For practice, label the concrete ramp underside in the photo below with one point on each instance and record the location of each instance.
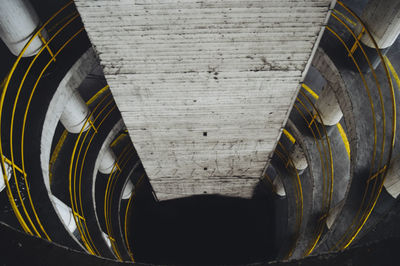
(204, 87)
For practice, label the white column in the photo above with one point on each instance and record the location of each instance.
(278, 186)
(9, 173)
(392, 180)
(107, 161)
(65, 213)
(298, 157)
(75, 114)
(382, 18)
(18, 23)
(333, 213)
(328, 107)
(107, 239)
(129, 187)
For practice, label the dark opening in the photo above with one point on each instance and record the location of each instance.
(203, 230)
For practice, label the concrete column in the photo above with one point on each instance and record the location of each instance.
(278, 186)
(333, 213)
(382, 18)
(18, 23)
(65, 213)
(9, 172)
(107, 161)
(392, 180)
(298, 157)
(107, 239)
(75, 114)
(328, 107)
(129, 187)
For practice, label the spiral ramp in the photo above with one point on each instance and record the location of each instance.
(264, 129)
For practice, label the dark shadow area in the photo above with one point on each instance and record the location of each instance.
(206, 230)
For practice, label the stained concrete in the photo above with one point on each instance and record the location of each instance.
(204, 87)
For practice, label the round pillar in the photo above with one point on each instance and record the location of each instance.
(382, 18)
(65, 213)
(298, 158)
(278, 186)
(18, 23)
(75, 114)
(107, 162)
(328, 108)
(333, 213)
(129, 187)
(9, 173)
(392, 180)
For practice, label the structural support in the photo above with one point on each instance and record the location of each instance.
(392, 180)
(65, 213)
(278, 186)
(298, 157)
(382, 17)
(2, 181)
(75, 114)
(18, 23)
(107, 239)
(107, 161)
(328, 107)
(129, 187)
(333, 213)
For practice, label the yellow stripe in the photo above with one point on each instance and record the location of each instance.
(310, 91)
(97, 95)
(344, 137)
(56, 151)
(289, 136)
(118, 139)
(393, 71)
(345, 17)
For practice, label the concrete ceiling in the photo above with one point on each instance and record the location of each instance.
(204, 87)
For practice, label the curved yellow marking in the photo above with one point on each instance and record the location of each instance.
(345, 17)
(310, 91)
(289, 136)
(393, 71)
(344, 138)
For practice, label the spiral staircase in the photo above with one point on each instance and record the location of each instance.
(113, 113)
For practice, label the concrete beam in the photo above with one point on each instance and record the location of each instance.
(204, 87)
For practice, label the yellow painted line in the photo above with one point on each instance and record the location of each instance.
(56, 151)
(393, 71)
(345, 17)
(289, 136)
(310, 91)
(100, 92)
(339, 126)
(118, 139)
(344, 137)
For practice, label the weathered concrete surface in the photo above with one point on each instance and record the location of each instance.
(204, 87)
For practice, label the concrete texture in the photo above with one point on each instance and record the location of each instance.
(382, 18)
(64, 91)
(104, 147)
(368, 151)
(204, 87)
